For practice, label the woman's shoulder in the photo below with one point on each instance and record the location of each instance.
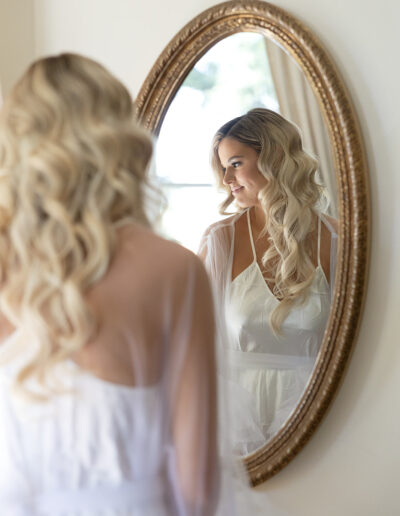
(217, 238)
(141, 244)
(223, 224)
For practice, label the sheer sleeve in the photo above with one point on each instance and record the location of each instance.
(216, 253)
(331, 224)
(194, 395)
(206, 478)
(333, 261)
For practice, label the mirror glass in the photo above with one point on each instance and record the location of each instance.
(242, 72)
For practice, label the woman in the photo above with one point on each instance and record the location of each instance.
(113, 348)
(272, 264)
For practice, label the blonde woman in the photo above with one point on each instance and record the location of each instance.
(273, 265)
(107, 384)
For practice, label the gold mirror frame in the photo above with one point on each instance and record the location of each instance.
(153, 100)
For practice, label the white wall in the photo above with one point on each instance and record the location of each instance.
(352, 464)
(125, 35)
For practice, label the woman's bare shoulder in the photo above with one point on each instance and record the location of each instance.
(143, 246)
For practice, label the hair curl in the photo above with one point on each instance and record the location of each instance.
(72, 169)
(289, 200)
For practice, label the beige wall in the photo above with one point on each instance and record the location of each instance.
(352, 464)
(16, 40)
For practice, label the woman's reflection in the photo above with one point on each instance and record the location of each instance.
(272, 264)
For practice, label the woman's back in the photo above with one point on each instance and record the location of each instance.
(111, 441)
(130, 303)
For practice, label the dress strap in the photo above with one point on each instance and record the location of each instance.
(251, 236)
(326, 222)
(319, 241)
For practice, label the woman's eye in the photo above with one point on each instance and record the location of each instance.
(236, 164)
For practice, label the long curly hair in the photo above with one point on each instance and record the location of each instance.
(289, 200)
(72, 169)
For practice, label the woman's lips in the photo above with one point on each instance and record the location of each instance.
(236, 189)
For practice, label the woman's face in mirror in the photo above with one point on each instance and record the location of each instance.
(240, 166)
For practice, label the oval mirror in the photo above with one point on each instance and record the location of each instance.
(227, 61)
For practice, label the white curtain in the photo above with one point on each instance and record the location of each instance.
(298, 104)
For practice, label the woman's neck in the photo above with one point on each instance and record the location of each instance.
(258, 218)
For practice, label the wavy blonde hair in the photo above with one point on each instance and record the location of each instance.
(72, 169)
(290, 199)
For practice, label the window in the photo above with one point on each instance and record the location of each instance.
(230, 79)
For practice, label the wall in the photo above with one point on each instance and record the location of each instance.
(16, 40)
(351, 465)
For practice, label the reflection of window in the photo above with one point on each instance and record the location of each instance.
(231, 78)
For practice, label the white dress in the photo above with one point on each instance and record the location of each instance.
(268, 373)
(104, 449)
(74, 455)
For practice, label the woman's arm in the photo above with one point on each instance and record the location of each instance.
(194, 424)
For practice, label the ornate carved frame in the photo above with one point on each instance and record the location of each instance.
(152, 103)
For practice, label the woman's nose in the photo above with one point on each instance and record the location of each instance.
(228, 176)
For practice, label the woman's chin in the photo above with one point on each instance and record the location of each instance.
(243, 203)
